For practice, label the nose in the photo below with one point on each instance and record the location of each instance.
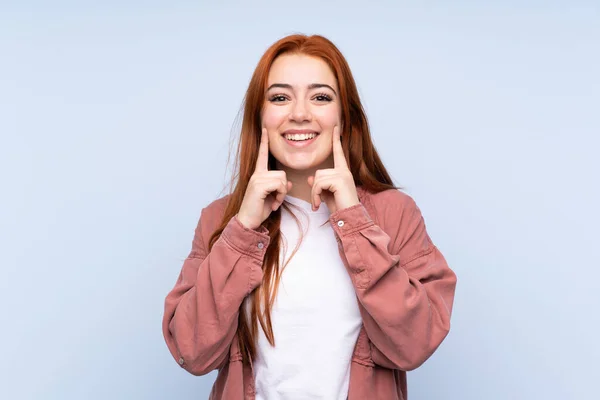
(299, 112)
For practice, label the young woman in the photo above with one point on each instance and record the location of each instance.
(363, 296)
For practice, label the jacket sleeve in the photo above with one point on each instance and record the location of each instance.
(403, 283)
(201, 311)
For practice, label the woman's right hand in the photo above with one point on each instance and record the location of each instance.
(266, 189)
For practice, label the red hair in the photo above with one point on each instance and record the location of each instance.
(363, 160)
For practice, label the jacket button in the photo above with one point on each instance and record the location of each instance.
(340, 223)
(260, 245)
(180, 361)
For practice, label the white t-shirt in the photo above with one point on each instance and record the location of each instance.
(315, 317)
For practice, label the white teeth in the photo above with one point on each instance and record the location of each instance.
(300, 136)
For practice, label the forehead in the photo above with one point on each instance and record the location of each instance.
(300, 70)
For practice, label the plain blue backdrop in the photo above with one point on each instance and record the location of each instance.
(116, 119)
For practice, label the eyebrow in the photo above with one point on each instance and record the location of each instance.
(311, 86)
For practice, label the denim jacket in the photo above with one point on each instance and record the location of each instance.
(404, 286)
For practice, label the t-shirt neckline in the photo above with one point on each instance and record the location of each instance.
(307, 206)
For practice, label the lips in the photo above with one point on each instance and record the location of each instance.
(300, 143)
(298, 131)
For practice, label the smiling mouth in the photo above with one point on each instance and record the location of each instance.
(300, 137)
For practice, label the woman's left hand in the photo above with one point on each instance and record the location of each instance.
(335, 186)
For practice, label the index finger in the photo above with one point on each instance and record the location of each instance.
(339, 160)
(262, 162)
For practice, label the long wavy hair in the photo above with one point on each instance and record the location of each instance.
(363, 160)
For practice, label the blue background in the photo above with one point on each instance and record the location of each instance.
(116, 119)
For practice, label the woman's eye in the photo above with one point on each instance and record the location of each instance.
(278, 98)
(322, 97)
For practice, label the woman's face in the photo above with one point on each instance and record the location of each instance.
(300, 110)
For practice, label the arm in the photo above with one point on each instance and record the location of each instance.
(201, 311)
(403, 283)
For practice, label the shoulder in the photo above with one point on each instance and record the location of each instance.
(399, 216)
(394, 210)
(212, 213)
(392, 202)
(217, 206)
(210, 219)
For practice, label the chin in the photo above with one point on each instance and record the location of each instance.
(299, 165)
(302, 163)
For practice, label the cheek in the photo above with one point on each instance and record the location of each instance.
(272, 117)
(328, 116)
